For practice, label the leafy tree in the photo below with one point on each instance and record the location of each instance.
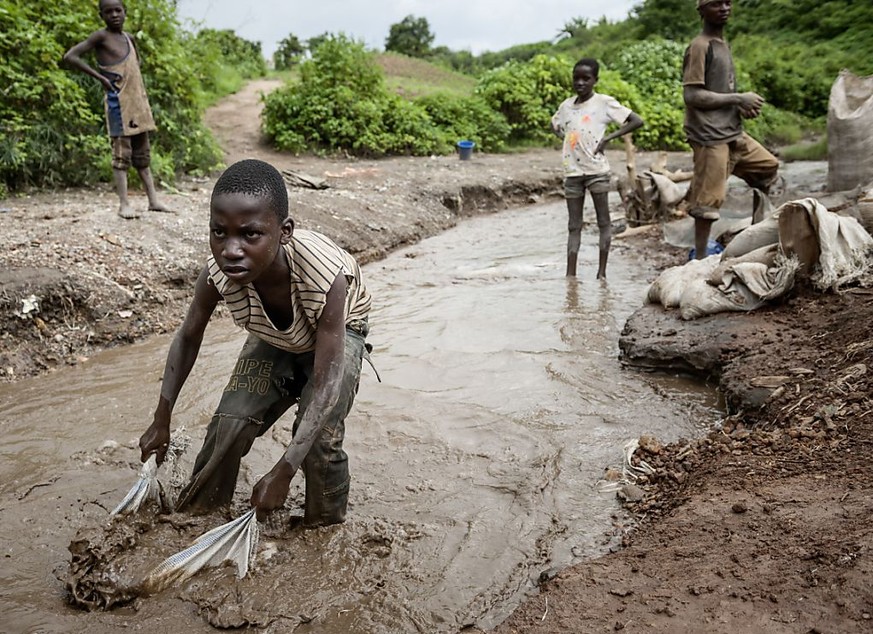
(670, 19)
(243, 55)
(315, 41)
(411, 36)
(288, 53)
(577, 29)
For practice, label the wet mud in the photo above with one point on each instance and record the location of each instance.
(99, 568)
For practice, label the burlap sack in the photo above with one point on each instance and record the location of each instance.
(850, 132)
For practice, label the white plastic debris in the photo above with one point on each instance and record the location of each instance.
(235, 541)
(29, 305)
(147, 487)
(630, 472)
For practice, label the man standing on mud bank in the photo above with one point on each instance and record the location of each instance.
(713, 123)
(128, 114)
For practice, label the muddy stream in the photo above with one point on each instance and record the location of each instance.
(474, 461)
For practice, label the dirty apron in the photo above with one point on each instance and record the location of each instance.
(127, 107)
(266, 381)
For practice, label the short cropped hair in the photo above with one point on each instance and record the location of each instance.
(255, 178)
(100, 4)
(591, 63)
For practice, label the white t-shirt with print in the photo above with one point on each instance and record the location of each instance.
(583, 126)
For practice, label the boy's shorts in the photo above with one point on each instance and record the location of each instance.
(575, 186)
(713, 165)
(131, 150)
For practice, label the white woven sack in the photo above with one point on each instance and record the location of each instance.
(850, 142)
(235, 541)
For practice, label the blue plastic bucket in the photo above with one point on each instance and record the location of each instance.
(465, 148)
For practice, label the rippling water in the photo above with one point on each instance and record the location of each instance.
(473, 462)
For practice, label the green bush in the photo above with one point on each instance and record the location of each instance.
(49, 127)
(654, 67)
(470, 118)
(527, 94)
(792, 76)
(288, 53)
(341, 104)
(240, 54)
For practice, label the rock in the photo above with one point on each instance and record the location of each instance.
(651, 445)
(109, 446)
(769, 381)
(631, 493)
(739, 507)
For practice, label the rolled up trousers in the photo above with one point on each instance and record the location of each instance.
(266, 381)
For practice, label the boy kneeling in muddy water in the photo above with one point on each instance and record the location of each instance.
(128, 114)
(581, 121)
(303, 302)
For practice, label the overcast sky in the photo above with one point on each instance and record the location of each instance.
(475, 25)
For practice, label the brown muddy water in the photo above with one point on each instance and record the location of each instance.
(474, 462)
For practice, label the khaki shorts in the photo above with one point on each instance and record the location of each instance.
(575, 186)
(713, 164)
(131, 150)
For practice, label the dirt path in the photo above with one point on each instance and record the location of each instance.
(236, 123)
(764, 525)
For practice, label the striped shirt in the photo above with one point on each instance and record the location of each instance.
(315, 261)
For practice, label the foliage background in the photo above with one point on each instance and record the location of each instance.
(52, 129)
(51, 118)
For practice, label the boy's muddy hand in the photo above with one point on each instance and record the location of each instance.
(155, 440)
(271, 491)
(750, 101)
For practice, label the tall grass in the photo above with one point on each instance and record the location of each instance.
(411, 77)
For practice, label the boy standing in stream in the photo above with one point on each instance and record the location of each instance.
(581, 121)
(128, 114)
(305, 306)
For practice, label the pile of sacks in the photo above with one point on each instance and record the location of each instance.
(761, 263)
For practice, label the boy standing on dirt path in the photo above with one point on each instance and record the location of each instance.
(128, 115)
(581, 121)
(305, 306)
(713, 124)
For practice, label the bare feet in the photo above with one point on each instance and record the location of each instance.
(127, 212)
(157, 206)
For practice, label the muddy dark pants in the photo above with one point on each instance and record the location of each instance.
(265, 383)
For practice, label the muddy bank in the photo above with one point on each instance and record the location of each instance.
(762, 524)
